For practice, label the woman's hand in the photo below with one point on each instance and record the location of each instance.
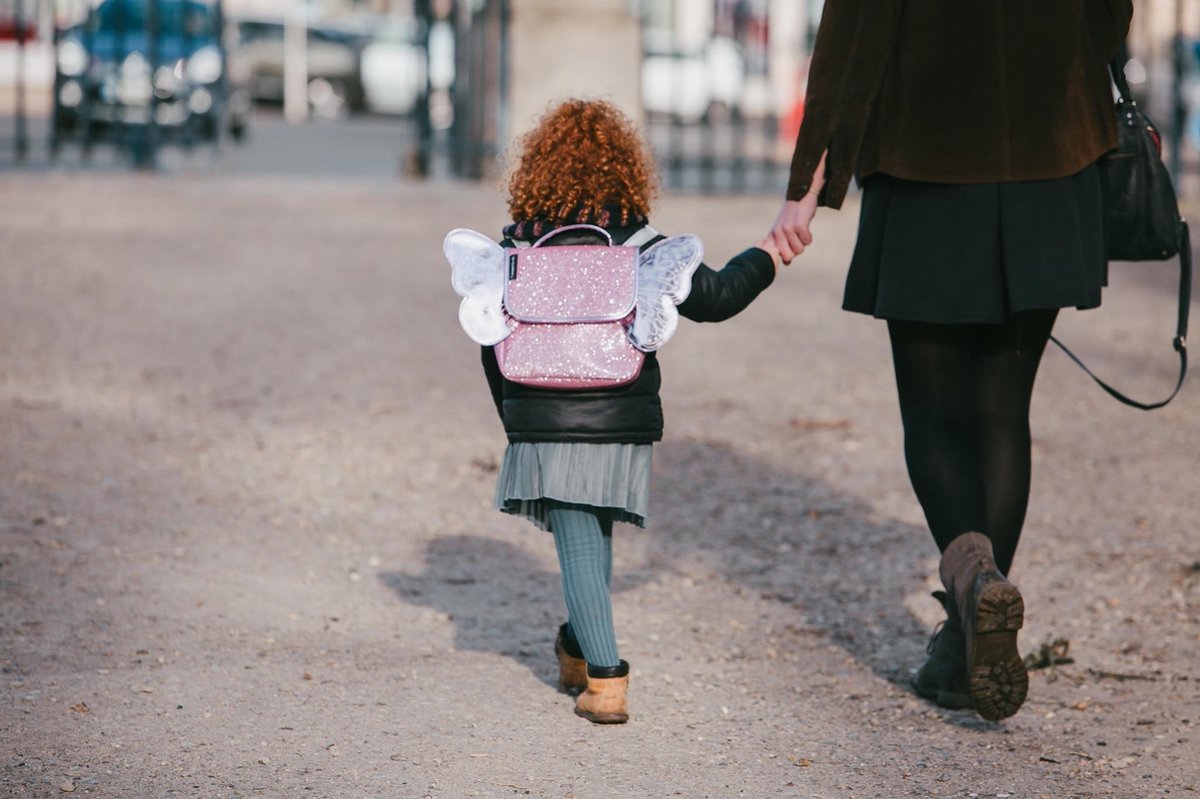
(791, 231)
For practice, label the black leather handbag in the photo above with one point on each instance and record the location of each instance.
(1142, 217)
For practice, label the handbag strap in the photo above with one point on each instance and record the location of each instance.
(1116, 68)
(1181, 324)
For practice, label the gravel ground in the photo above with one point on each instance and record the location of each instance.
(247, 545)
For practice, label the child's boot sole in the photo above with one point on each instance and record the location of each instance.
(602, 718)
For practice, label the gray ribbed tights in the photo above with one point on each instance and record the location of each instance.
(583, 538)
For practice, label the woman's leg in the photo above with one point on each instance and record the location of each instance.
(585, 555)
(964, 393)
(935, 379)
(1006, 369)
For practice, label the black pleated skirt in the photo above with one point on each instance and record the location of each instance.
(977, 253)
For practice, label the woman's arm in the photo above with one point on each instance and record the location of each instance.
(792, 231)
(853, 47)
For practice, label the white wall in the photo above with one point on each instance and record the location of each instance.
(560, 50)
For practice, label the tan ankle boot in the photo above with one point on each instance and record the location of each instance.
(605, 700)
(992, 611)
(572, 668)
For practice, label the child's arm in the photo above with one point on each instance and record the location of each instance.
(716, 296)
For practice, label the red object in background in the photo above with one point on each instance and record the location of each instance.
(8, 30)
(789, 125)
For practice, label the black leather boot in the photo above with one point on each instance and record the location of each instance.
(942, 679)
(992, 612)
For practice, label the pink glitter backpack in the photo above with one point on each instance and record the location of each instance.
(576, 316)
(572, 305)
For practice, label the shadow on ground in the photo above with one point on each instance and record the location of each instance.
(785, 536)
(498, 596)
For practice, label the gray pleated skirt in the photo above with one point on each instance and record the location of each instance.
(615, 477)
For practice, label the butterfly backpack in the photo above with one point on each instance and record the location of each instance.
(571, 316)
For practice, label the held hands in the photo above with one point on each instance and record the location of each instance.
(768, 244)
(791, 231)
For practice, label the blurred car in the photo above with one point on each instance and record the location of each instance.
(395, 67)
(694, 85)
(334, 83)
(104, 75)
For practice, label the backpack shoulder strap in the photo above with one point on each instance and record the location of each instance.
(641, 237)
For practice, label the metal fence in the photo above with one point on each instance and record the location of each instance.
(710, 115)
(719, 112)
(722, 99)
(460, 114)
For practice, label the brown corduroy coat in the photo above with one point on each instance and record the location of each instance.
(958, 91)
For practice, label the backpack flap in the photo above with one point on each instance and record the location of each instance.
(571, 284)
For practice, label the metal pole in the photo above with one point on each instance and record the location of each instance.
(85, 146)
(1178, 106)
(120, 124)
(188, 128)
(295, 64)
(221, 100)
(147, 157)
(502, 101)
(22, 143)
(57, 84)
(419, 161)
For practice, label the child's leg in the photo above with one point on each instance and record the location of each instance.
(585, 555)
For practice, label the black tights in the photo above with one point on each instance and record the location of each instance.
(964, 399)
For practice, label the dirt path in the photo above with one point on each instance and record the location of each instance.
(247, 548)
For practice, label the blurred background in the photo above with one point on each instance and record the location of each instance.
(437, 88)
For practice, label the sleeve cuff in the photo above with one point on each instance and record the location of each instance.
(761, 261)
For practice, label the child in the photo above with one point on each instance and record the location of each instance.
(579, 460)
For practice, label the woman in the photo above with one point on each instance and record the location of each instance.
(973, 129)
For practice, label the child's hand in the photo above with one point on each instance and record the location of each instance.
(768, 244)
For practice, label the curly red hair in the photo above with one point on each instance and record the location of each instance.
(585, 162)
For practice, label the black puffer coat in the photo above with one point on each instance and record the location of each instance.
(630, 414)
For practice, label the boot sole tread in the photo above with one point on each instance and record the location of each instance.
(1001, 608)
(997, 678)
(998, 688)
